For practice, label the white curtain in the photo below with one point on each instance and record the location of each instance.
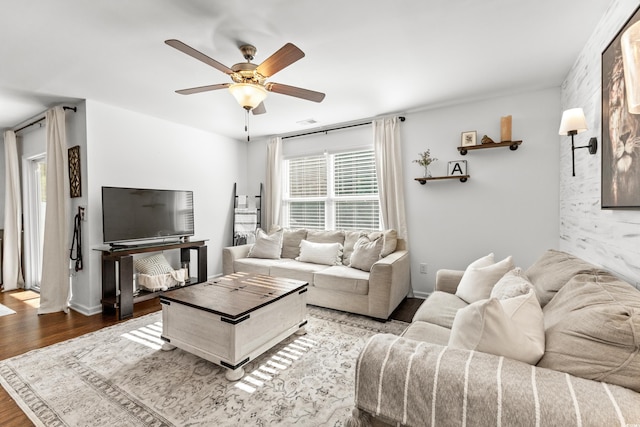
(273, 188)
(54, 286)
(386, 142)
(12, 240)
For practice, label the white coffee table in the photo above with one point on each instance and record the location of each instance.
(233, 319)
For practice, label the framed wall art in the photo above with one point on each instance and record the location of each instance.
(75, 187)
(621, 118)
(469, 138)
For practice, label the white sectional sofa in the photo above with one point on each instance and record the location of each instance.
(341, 286)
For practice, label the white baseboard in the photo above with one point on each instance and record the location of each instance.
(87, 311)
(424, 295)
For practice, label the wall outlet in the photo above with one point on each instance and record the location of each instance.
(423, 268)
(83, 213)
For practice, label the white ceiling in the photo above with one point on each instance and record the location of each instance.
(370, 57)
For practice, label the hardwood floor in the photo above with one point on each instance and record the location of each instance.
(26, 331)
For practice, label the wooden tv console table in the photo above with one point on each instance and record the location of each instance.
(124, 258)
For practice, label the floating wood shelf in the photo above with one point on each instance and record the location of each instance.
(513, 145)
(462, 178)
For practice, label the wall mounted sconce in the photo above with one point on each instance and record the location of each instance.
(572, 123)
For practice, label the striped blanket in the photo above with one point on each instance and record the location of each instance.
(413, 383)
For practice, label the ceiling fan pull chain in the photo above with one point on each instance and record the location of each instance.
(246, 124)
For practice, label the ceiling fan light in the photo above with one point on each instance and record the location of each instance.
(248, 95)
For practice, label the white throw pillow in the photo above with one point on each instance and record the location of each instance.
(366, 252)
(268, 246)
(153, 265)
(512, 284)
(512, 328)
(320, 253)
(480, 277)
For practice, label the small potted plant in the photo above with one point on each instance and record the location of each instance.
(425, 160)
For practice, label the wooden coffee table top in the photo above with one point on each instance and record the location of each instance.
(235, 295)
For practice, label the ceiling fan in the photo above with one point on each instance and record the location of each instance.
(249, 85)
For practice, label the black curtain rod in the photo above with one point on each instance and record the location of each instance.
(35, 122)
(402, 119)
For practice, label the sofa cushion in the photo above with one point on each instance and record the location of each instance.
(440, 309)
(291, 242)
(427, 332)
(320, 253)
(342, 278)
(322, 236)
(350, 239)
(512, 284)
(480, 277)
(267, 246)
(296, 270)
(593, 330)
(366, 252)
(512, 327)
(552, 270)
(255, 265)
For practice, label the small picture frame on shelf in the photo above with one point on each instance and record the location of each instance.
(469, 138)
(457, 168)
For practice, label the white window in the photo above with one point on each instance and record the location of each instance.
(332, 192)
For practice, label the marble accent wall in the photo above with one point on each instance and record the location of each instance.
(610, 238)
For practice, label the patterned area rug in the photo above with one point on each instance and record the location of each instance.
(4, 310)
(118, 376)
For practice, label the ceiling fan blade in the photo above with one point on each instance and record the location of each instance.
(259, 109)
(285, 56)
(298, 92)
(202, 89)
(198, 55)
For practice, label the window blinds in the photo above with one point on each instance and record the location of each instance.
(332, 191)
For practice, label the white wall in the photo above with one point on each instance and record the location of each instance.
(134, 150)
(509, 206)
(610, 238)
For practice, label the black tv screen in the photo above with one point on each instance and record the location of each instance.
(130, 214)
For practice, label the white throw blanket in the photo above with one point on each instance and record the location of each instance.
(246, 222)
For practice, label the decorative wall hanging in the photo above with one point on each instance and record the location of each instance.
(621, 118)
(468, 138)
(75, 187)
(457, 168)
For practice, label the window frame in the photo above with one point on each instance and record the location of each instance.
(331, 199)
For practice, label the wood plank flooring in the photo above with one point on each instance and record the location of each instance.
(26, 331)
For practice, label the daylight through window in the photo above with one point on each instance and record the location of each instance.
(332, 191)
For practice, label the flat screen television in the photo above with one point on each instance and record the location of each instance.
(134, 214)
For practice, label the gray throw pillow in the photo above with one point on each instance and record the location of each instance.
(366, 252)
(267, 246)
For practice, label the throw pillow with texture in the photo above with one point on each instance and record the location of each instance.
(480, 277)
(390, 243)
(512, 284)
(153, 265)
(512, 328)
(350, 239)
(593, 330)
(291, 242)
(268, 246)
(320, 253)
(366, 253)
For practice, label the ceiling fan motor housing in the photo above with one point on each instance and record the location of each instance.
(245, 72)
